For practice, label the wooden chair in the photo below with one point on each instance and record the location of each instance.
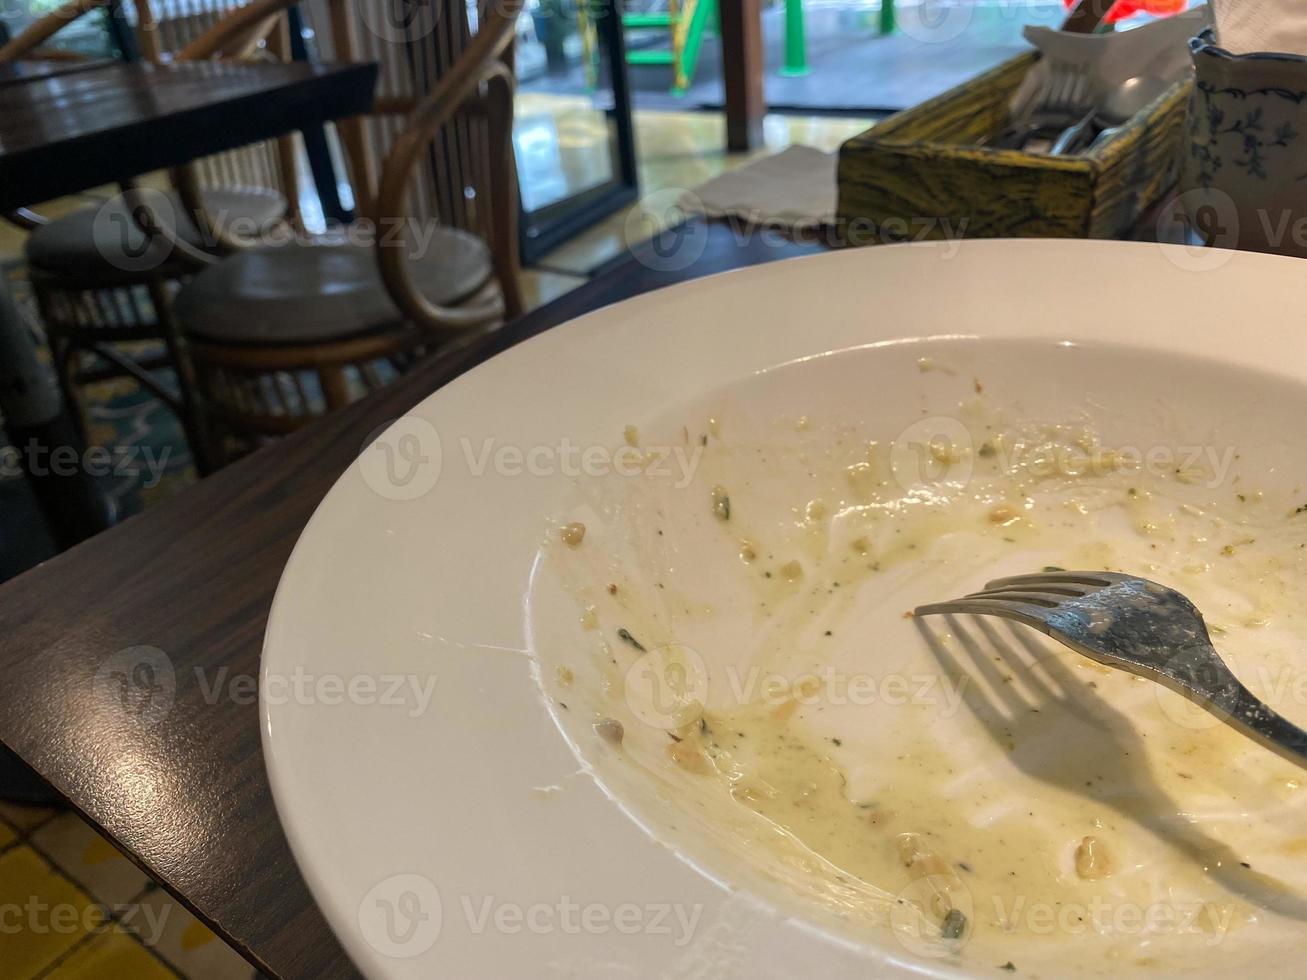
(281, 334)
(101, 306)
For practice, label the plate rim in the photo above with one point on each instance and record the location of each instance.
(310, 865)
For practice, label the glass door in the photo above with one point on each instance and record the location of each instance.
(572, 120)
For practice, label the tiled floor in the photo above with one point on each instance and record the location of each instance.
(674, 150)
(73, 908)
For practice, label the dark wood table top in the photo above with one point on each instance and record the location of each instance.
(14, 72)
(186, 794)
(69, 131)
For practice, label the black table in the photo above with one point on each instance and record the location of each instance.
(14, 72)
(65, 128)
(68, 126)
(195, 576)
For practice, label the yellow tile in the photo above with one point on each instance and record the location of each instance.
(539, 286)
(590, 249)
(25, 817)
(677, 151)
(113, 955)
(45, 915)
(90, 860)
(187, 943)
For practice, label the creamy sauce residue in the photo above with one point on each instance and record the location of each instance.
(985, 795)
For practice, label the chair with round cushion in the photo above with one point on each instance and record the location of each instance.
(282, 333)
(104, 289)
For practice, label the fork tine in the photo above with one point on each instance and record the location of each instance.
(1020, 595)
(1028, 613)
(1056, 88)
(1073, 90)
(1069, 89)
(1069, 590)
(1053, 578)
(1086, 94)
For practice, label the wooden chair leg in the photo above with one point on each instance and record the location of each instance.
(64, 356)
(191, 413)
(335, 386)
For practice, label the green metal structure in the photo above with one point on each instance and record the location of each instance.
(888, 17)
(686, 20)
(796, 41)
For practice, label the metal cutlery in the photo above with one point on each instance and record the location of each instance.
(1064, 95)
(1121, 105)
(1138, 626)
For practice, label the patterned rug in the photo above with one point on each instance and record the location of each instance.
(151, 459)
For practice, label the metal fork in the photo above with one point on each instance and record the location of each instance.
(1138, 626)
(1064, 96)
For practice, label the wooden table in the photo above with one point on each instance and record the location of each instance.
(15, 72)
(187, 797)
(66, 128)
(69, 125)
(172, 795)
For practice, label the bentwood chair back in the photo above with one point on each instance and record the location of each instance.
(283, 333)
(452, 179)
(98, 307)
(164, 28)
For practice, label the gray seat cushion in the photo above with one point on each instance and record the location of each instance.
(307, 292)
(104, 241)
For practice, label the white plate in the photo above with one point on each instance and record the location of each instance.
(462, 835)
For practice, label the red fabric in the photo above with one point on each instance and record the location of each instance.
(1123, 9)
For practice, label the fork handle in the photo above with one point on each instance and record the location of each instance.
(1199, 673)
(1073, 137)
(1256, 720)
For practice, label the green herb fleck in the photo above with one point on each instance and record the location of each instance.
(1009, 966)
(955, 923)
(986, 450)
(626, 637)
(721, 504)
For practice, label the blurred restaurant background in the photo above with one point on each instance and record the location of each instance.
(174, 343)
(612, 119)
